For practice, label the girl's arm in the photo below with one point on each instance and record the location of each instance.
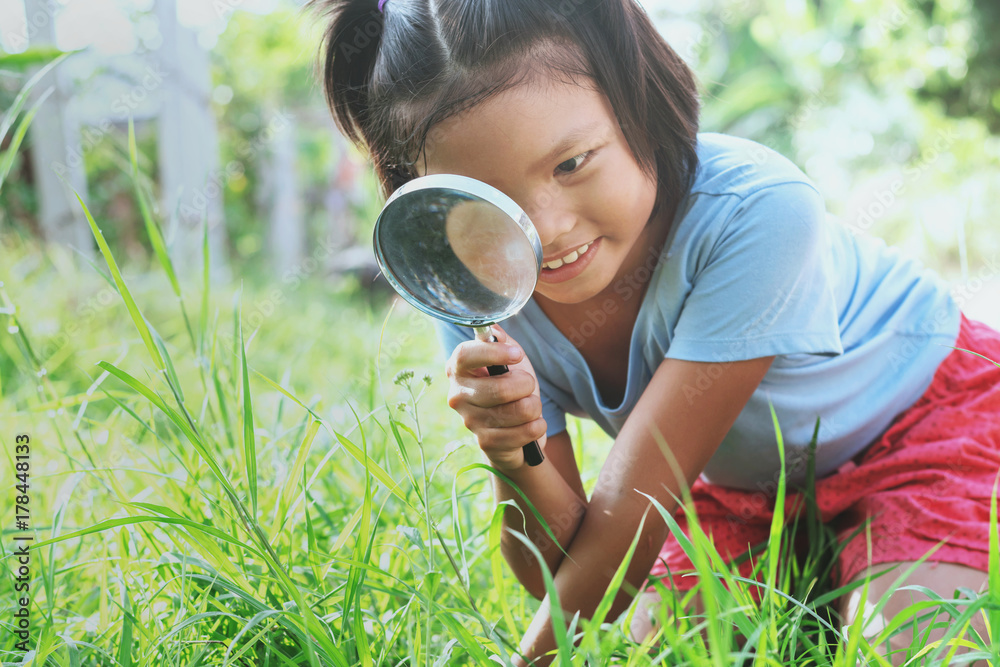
(505, 412)
(692, 430)
(556, 491)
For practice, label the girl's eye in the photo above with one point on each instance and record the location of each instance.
(572, 164)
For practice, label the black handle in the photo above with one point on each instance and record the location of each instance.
(532, 452)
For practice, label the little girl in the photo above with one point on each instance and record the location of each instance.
(690, 282)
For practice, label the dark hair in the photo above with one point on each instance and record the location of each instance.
(389, 77)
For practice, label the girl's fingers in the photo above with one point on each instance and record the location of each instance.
(473, 354)
(509, 415)
(492, 391)
(503, 411)
(501, 443)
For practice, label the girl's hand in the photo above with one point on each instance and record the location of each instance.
(503, 411)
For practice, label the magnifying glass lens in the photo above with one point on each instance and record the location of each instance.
(458, 255)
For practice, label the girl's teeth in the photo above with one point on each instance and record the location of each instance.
(568, 259)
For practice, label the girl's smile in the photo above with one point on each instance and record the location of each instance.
(556, 148)
(570, 265)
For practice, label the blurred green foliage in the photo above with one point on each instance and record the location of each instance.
(888, 105)
(266, 69)
(891, 106)
(978, 93)
(263, 65)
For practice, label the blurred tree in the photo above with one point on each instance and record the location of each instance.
(886, 104)
(978, 93)
(269, 103)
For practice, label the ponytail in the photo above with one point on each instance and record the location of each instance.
(350, 49)
(375, 64)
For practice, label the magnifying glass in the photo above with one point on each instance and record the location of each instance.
(462, 251)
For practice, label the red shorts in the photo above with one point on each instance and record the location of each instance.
(928, 477)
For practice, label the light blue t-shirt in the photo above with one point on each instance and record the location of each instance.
(753, 266)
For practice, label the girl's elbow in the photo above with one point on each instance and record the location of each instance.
(531, 578)
(536, 589)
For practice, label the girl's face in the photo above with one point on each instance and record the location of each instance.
(557, 150)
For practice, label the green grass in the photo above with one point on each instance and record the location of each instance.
(261, 497)
(213, 486)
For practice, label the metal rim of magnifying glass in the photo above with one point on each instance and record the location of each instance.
(479, 189)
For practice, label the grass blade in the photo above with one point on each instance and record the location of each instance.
(125, 638)
(176, 418)
(616, 581)
(994, 576)
(7, 158)
(975, 353)
(377, 471)
(295, 474)
(249, 444)
(133, 310)
(774, 537)
(563, 643)
(126, 521)
(153, 230)
(22, 95)
(496, 563)
(205, 283)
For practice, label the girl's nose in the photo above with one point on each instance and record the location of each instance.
(550, 216)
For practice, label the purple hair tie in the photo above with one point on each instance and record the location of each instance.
(381, 5)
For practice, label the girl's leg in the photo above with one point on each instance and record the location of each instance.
(644, 620)
(942, 578)
(927, 481)
(733, 519)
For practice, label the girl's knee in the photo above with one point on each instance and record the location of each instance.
(926, 626)
(645, 620)
(650, 613)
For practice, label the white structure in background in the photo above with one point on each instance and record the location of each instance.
(169, 86)
(153, 67)
(191, 180)
(286, 233)
(55, 147)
